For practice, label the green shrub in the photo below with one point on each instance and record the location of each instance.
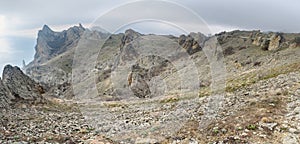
(251, 127)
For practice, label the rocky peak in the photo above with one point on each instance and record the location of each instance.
(50, 43)
(20, 85)
(46, 30)
(129, 36)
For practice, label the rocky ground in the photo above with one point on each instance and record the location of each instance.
(54, 122)
(265, 112)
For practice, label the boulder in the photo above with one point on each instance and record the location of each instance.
(145, 70)
(139, 86)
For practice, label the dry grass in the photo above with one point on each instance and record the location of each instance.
(255, 76)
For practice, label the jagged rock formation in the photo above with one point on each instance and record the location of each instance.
(16, 86)
(51, 44)
(129, 36)
(192, 43)
(144, 71)
(275, 42)
(269, 42)
(20, 85)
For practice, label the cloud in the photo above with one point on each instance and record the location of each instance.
(246, 14)
(2, 24)
(5, 49)
(250, 14)
(7, 52)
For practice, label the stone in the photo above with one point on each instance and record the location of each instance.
(257, 41)
(5, 96)
(129, 36)
(265, 44)
(270, 126)
(275, 42)
(192, 43)
(290, 139)
(145, 140)
(21, 86)
(294, 45)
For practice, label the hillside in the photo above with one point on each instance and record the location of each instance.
(233, 87)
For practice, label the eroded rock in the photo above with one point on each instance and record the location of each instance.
(4, 96)
(20, 85)
(275, 42)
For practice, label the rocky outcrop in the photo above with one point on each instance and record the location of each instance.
(275, 42)
(50, 43)
(137, 81)
(192, 43)
(265, 44)
(146, 69)
(20, 86)
(257, 41)
(129, 36)
(269, 42)
(295, 42)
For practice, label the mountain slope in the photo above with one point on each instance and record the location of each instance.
(140, 87)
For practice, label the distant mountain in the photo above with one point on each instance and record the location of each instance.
(52, 65)
(50, 44)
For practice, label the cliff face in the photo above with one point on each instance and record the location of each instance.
(54, 45)
(51, 44)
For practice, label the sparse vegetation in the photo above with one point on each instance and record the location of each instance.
(204, 92)
(255, 76)
(114, 104)
(251, 127)
(215, 130)
(170, 100)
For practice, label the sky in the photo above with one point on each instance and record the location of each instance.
(20, 20)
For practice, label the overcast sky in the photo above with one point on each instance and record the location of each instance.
(20, 20)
